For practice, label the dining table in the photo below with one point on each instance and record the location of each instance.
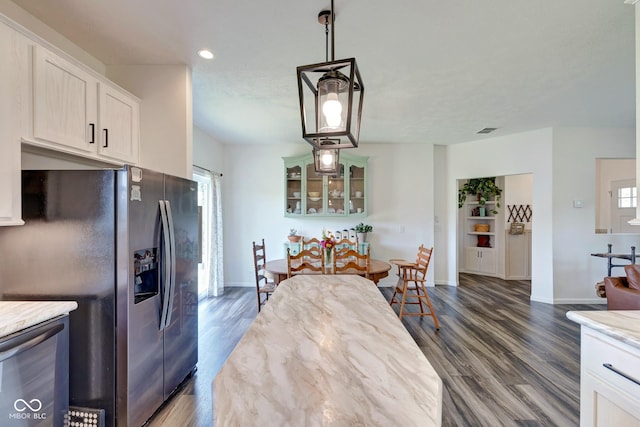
(378, 269)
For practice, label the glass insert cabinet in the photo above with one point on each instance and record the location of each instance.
(309, 194)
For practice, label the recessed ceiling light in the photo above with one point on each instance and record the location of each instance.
(205, 53)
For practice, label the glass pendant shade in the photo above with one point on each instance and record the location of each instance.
(326, 159)
(331, 102)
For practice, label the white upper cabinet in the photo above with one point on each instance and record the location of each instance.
(119, 125)
(51, 101)
(64, 103)
(77, 113)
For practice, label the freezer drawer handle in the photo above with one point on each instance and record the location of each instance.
(23, 342)
(622, 374)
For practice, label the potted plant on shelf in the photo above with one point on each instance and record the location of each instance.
(484, 188)
(362, 230)
(293, 236)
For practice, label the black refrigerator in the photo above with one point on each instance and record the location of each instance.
(124, 245)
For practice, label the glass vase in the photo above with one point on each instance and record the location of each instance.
(328, 259)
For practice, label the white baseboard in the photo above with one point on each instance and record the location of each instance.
(240, 285)
(596, 300)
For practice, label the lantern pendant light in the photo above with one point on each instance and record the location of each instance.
(326, 159)
(331, 95)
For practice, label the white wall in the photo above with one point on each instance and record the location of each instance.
(562, 162)
(208, 153)
(400, 192)
(518, 190)
(22, 17)
(166, 122)
(574, 152)
(528, 152)
(607, 171)
(442, 244)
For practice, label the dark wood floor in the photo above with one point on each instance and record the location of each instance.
(503, 360)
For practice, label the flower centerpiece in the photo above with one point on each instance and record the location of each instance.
(327, 243)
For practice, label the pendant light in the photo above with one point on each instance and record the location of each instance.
(326, 159)
(331, 95)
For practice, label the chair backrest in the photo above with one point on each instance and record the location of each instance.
(422, 261)
(308, 261)
(347, 243)
(259, 259)
(349, 261)
(310, 243)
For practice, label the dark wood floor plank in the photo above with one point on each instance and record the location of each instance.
(503, 359)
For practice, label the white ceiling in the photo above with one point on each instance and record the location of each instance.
(435, 71)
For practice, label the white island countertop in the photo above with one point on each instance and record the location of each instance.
(327, 351)
(623, 325)
(18, 315)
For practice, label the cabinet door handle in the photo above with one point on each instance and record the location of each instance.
(622, 374)
(93, 133)
(106, 138)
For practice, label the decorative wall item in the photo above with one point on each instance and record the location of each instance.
(516, 228)
(519, 213)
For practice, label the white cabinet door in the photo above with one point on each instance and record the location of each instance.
(119, 127)
(609, 375)
(64, 103)
(487, 261)
(14, 109)
(603, 405)
(471, 260)
(479, 260)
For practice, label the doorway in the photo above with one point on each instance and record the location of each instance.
(509, 253)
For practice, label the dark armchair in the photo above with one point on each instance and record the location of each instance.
(623, 293)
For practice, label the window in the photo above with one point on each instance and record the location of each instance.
(627, 197)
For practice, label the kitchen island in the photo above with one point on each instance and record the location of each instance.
(18, 315)
(327, 350)
(609, 367)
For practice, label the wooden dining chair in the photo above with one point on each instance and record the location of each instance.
(349, 261)
(264, 286)
(347, 243)
(411, 278)
(311, 243)
(308, 261)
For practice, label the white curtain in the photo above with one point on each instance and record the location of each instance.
(210, 274)
(216, 280)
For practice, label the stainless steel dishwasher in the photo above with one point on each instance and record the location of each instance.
(34, 375)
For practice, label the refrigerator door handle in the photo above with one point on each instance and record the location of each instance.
(166, 281)
(172, 244)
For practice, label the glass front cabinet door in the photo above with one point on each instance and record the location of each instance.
(309, 194)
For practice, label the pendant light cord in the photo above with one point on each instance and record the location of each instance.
(326, 35)
(333, 24)
(326, 39)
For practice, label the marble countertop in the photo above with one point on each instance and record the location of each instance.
(18, 315)
(623, 325)
(327, 351)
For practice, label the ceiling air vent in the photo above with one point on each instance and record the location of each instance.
(487, 130)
